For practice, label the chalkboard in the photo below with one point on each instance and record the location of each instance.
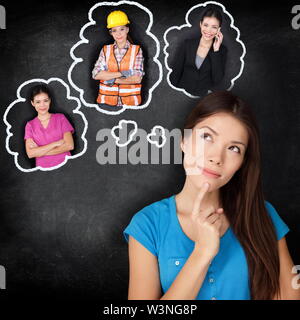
(61, 230)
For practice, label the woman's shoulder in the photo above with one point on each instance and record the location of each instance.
(58, 116)
(154, 211)
(31, 122)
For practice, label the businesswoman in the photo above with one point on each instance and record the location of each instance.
(48, 137)
(217, 238)
(200, 64)
(120, 66)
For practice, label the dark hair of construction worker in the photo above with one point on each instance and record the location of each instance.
(217, 238)
(200, 64)
(120, 66)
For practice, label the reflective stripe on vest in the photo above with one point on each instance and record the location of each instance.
(130, 92)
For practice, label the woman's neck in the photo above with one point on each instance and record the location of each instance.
(44, 117)
(121, 45)
(186, 198)
(206, 43)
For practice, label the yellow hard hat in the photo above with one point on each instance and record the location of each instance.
(117, 18)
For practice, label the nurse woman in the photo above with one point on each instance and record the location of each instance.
(217, 239)
(200, 64)
(48, 137)
(120, 66)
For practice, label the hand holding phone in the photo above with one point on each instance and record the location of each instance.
(218, 40)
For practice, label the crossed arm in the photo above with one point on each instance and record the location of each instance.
(107, 75)
(56, 147)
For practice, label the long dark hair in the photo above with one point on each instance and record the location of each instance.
(243, 200)
(212, 12)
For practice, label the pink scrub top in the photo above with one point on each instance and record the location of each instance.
(57, 126)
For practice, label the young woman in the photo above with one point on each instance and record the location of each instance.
(48, 137)
(200, 64)
(217, 238)
(120, 66)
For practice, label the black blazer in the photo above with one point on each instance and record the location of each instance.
(197, 81)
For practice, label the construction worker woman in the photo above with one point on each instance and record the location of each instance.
(120, 66)
(200, 65)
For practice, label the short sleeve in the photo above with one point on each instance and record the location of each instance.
(142, 228)
(28, 131)
(100, 64)
(65, 124)
(281, 228)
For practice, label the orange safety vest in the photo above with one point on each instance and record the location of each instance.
(130, 94)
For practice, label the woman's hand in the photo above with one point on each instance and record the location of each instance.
(208, 224)
(218, 40)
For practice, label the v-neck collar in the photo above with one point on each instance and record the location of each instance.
(174, 215)
(47, 124)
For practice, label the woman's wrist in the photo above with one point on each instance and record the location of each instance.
(202, 256)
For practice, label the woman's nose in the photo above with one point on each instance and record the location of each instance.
(216, 157)
(215, 161)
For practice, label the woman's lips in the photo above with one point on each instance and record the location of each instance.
(209, 173)
(207, 35)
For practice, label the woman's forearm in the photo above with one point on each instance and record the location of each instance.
(107, 75)
(40, 151)
(129, 80)
(61, 149)
(190, 278)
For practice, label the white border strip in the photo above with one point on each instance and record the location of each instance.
(20, 99)
(84, 40)
(189, 25)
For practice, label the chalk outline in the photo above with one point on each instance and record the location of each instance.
(152, 133)
(119, 125)
(2, 16)
(84, 41)
(189, 25)
(20, 99)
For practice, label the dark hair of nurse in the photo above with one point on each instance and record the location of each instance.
(222, 190)
(48, 137)
(41, 88)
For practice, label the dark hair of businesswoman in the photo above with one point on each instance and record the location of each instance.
(212, 13)
(199, 63)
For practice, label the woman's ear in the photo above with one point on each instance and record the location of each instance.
(182, 145)
(32, 103)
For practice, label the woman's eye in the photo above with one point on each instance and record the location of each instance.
(236, 149)
(206, 136)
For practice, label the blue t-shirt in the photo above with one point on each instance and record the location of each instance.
(158, 229)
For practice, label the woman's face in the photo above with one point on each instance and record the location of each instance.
(41, 103)
(119, 33)
(215, 150)
(209, 27)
